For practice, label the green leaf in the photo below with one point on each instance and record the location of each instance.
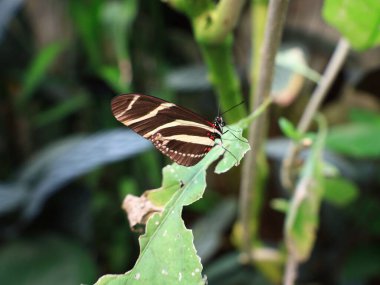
(167, 253)
(359, 140)
(234, 143)
(294, 60)
(37, 70)
(302, 218)
(289, 129)
(340, 191)
(364, 116)
(280, 205)
(45, 260)
(357, 21)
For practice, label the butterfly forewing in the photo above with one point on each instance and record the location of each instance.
(177, 132)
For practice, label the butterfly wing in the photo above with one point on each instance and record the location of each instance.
(177, 132)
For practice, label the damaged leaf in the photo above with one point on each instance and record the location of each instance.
(167, 253)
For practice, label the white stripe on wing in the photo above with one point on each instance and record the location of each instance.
(190, 139)
(119, 115)
(151, 114)
(180, 123)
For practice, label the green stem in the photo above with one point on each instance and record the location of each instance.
(223, 77)
(330, 73)
(250, 201)
(216, 24)
(212, 24)
(255, 167)
(244, 123)
(259, 10)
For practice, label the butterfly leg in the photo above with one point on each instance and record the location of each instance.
(226, 150)
(229, 130)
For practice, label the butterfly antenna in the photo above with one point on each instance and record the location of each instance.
(232, 107)
(231, 131)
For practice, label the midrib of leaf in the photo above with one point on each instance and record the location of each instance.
(178, 200)
(173, 203)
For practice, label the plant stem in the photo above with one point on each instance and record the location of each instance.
(245, 122)
(290, 270)
(223, 77)
(331, 71)
(217, 24)
(326, 81)
(213, 34)
(212, 24)
(259, 11)
(250, 177)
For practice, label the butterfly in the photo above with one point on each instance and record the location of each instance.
(182, 135)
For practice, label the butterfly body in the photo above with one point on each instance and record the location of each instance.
(182, 135)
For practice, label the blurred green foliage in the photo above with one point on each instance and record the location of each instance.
(358, 21)
(362, 132)
(36, 72)
(44, 260)
(66, 167)
(302, 217)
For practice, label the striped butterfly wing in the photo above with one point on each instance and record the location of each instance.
(177, 132)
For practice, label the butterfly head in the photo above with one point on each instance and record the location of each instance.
(219, 123)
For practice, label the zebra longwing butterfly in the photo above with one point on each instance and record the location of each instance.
(177, 132)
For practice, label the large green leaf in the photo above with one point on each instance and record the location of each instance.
(359, 138)
(356, 139)
(364, 116)
(167, 253)
(357, 21)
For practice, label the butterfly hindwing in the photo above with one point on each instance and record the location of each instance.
(177, 132)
